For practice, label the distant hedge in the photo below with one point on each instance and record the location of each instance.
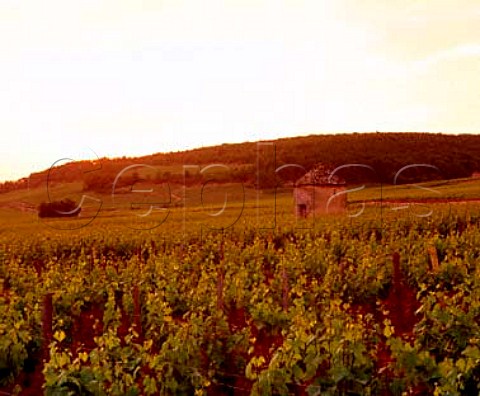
(63, 208)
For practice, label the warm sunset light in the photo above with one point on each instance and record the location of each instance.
(240, 197)
(118, 78)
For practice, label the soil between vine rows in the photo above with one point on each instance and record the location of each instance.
(400, 304)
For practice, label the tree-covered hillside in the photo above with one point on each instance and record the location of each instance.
(453, 156)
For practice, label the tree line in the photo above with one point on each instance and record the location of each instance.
(254, 163)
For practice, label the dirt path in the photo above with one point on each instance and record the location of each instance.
(417, 200)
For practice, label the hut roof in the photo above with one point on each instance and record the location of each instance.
(320, 175)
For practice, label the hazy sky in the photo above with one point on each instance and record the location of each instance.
(136, 77)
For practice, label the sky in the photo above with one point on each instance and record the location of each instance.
(95, 78)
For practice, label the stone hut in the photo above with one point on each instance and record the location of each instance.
(315, 192)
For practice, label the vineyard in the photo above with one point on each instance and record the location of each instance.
(371, 305)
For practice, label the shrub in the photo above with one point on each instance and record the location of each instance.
(63, 208)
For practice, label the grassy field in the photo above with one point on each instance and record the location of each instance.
(169, 209)
(458, 188)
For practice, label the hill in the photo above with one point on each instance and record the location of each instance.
(379, 158)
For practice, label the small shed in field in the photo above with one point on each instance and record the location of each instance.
(317, 192)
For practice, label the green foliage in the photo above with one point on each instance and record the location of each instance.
(289, 311)
(454, 156)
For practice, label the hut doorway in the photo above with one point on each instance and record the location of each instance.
(302, 210)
